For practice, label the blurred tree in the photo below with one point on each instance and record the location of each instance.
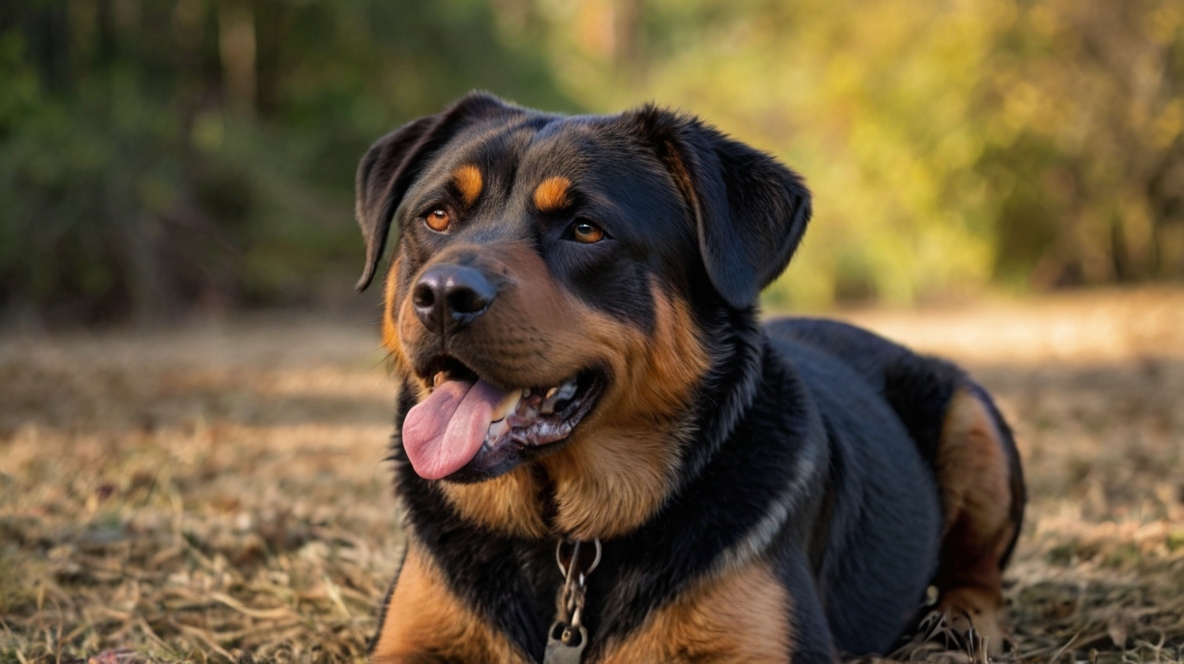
(949, 143)
(1083, 110)
(156, 154)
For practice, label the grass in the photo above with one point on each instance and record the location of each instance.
(218, 493)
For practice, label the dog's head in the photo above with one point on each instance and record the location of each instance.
(550, 273)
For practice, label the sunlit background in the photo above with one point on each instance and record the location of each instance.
(161, 157)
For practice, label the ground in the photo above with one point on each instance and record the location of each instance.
(218, 492)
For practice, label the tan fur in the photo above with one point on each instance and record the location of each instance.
(972, 468)
(390, 331)
(469, 182)
(740, 618)
(978, 607)
(424, 617)
(508, 503)
(551, 194)
(974, 475)
(391, 339)
(616, 471)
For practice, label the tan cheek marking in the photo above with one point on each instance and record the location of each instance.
(390, 331)
(551, 194)
(618, 470)
(424, 618)
(393, 338)
(741, 617)
(468, 180)
(674, 361)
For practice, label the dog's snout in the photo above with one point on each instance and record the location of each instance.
(448, 297)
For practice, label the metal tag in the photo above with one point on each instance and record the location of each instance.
(559, 652)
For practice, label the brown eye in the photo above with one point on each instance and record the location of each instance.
(438, 220)
(587, 232)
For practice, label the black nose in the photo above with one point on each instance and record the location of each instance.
(449, 297)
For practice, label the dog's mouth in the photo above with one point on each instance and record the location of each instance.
(469, 429)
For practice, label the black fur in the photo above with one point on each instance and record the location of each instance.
(393, 163)
(830, 426)
(750, 212)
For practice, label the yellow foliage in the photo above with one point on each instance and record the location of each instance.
(932, 134)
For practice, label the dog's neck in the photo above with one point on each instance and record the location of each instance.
(730, 386)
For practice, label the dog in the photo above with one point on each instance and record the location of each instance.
(602, 453)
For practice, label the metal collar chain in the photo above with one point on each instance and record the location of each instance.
(568, 636)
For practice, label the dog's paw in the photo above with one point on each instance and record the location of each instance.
(963, 628)
(972, 615)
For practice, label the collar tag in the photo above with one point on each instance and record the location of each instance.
(559, 650)
(567, 637)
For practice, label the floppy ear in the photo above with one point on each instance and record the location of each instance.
(750, 211)
(392, 164)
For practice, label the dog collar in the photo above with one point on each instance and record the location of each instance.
(567, 637)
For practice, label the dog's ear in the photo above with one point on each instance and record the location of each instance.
(391, 165)
(750, 211)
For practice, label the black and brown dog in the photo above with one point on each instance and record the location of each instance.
(572, 311)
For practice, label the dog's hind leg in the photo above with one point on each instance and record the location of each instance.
(982, 493)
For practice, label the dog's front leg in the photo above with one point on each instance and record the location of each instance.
(742, 615)
(426, 623)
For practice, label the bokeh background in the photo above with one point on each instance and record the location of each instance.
(194, 408)
(165, 156)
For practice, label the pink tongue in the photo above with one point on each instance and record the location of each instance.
(446, 430)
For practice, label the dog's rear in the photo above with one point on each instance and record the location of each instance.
(961, 435)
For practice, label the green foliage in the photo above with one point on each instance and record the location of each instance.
(157, 154)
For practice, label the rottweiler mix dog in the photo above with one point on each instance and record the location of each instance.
(604, 456)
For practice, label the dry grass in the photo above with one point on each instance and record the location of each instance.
(218, 493)
(194, 495)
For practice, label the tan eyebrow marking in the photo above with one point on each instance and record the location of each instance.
(551, 194)
(467, 179)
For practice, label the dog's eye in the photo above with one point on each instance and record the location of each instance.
(587, 232)
(438, 220)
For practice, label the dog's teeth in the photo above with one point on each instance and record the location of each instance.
(438, 378)
(507, 405)
(548, 405)
(556, 395)
(496, 430)
(526, 393)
